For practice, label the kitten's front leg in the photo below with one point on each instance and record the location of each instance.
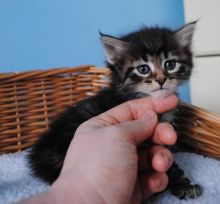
(180, 185)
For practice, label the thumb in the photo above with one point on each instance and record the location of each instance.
(141, 129)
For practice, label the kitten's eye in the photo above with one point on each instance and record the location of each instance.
(170, 65)
(143, 69)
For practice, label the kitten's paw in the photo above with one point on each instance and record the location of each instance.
(186, 191)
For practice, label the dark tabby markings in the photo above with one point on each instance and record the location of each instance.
(127, 73)
(134, 77)
(180, 185)
(148, 81)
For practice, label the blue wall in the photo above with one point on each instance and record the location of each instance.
(54, 33)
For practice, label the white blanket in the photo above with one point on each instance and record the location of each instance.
(16, 182)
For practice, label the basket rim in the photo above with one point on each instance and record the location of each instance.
(16, 76)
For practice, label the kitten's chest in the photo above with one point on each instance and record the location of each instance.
(168, 117)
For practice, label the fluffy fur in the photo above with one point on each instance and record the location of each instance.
(150, 61)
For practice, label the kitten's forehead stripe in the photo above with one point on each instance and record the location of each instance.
(144, 57)
(172, 56)
(150, 58)
(139, 62)
(162, 56)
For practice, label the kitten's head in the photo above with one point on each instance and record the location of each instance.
(150, 61)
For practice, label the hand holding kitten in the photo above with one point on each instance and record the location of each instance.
(102, 162)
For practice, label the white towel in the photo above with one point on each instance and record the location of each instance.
(16, 182)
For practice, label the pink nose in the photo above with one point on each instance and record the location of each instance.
(161, 81)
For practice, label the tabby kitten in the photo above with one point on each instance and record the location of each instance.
(150, 61)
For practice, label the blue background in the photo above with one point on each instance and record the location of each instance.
(44, 34)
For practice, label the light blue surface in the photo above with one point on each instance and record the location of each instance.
(52, 33)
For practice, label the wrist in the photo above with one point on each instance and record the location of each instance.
(77, 191)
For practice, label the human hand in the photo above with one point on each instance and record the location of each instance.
(105, 156)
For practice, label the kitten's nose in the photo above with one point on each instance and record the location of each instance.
(161, 81)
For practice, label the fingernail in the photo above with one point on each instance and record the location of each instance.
(170, 126)
(166, 160)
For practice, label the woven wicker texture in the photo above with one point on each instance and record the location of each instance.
(30, 100)
(200, 133)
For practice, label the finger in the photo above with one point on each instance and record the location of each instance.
(164, 134)
(133, 110)
(153, 183)
(163, 105)
(162, 158)
(139, 130)
(135, 131)
(157, 158)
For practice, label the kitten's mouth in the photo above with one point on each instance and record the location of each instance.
(161, 93)
(159, 89)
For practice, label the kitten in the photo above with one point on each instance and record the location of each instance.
(150, 61)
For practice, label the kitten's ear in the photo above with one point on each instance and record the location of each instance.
(184, 35)
(114, 48)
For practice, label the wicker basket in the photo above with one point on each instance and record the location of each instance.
(198, 130)
(29, 100)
